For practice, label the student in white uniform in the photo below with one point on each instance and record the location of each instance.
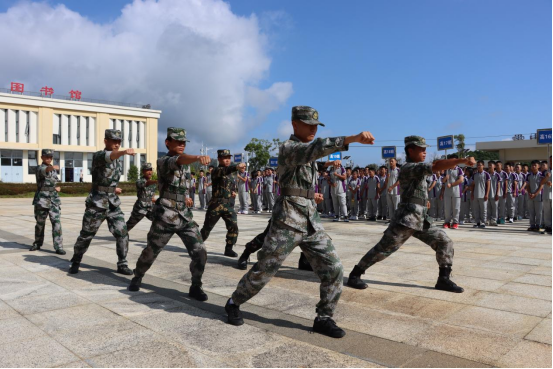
(466, 203)
(373, 188)
(451, 194)
(500, 192)
(354, 190)
(338, 175)
(202, 180)
(546, 183)
(382, 204)
(392, 188)
(534, 187)
(480, 188)
(243, 184)
(511, 192)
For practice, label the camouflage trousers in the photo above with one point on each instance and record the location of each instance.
(279, 243)
(160, 233)
(396, 235)
(41, 214)
(136, 216)
(214, 212)
(92, 220)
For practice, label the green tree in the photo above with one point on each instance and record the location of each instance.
(460, 138)
(483, 155)
(259, 151)
(132, 174)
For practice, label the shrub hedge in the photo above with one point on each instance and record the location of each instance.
(75, 189)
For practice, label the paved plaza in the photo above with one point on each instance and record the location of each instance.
(51, 319)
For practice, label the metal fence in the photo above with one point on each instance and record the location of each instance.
(68, 98)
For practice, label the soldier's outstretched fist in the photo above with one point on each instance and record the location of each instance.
(365, 138)
(205, 160)
(129, 151)
(241, 165)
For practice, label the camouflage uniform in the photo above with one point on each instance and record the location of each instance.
(103, 204)
(143, 205)
(411, 217)
(222, 203)
(171, 215)
(296, 222)
(47, 204)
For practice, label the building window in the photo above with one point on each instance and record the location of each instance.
(78, 130)
(138, 135)
(57, 158)
(87, 128)
(68, 160)
(130, 133)
(17, 158)
(123, 133)
(26, 115)
(17, 126)
(56, 139)
(89, 163)
(33, 163)
(6, 160)
(5, 125)
(69, 130)
(77, 159)
(142, 160)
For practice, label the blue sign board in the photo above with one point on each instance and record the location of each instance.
(335, 156)
(388, 152)
(273, 162)
(446, 143)
(544, 136)
(237, 158)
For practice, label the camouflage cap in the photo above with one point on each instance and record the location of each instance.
(146, 166)
(113, 134)
(178, 134)
(223, 152)
(47, 152)
(415, 140)
(306, 114)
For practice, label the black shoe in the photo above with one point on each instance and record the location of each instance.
(355, 281)
(379, 217)
(124, 269)
(303, 264)
(35, 248)
(243, 261)
(196, 292)
(136, 282)
(328, 327)
(61, 252)
(446, 284)
(74, 269)
(234, 314)
(383, 218)
(229, 252)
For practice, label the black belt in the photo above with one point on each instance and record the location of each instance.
(104, 189)
(173, 196)
(308, 194)
(221, 200)
(49, 189)
(414, 200)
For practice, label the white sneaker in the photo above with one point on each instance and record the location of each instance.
(461, 222)
(245, 212)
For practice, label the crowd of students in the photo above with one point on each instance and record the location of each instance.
(488, 195)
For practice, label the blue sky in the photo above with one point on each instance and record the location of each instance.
(432, 68)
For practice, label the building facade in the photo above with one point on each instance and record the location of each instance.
(524, 150)
(74, 129)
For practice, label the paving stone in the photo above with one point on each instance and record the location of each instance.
(516, 304)
(18, 329)
(39, 352)
(539, 280)
(527, 290)
(6, 312)
(542, 332)
(134, 305)
(527, 354)
(41, 303)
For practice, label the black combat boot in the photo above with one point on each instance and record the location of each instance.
(136, 282)
(355, 281)
(446, 284)
(74, 269)
(243, 260)
(60, 252)
(303, 264)
(124, 269)
(234, 314)
(196, 292)
(229, 252)
(328, 327)
(35, 247)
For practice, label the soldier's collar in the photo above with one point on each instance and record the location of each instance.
(294, 138)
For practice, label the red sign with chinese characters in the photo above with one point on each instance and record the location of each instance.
(17, 87)
(75, 94)
(47, 91)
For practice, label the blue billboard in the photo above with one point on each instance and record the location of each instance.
(273, 162)
(388, 152)
(446, 143)
(335, 156)
(544, 136)
(237, 158)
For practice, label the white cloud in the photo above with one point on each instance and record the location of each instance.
(195, 60)
(285, 129)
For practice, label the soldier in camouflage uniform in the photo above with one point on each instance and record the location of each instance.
(222, 201)
(296, 222)
(145, 191)
(103, 203)
(47, 203)
(172, 213)
(411, 217)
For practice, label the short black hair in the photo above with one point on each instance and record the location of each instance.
(525, 165)
(193, 173)
(498, 162)
(201, 171)
(211, 166)
(480, 161)
(372, 168)
(535, 162)
(491, 162)
(168, 139)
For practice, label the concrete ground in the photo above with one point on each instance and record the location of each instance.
(51, 319)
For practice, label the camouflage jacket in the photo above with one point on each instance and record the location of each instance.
(145, 194)
(45, 199)
(106, 173)
(223, 184)
(297, 168)
(412, 180)
(173, 178)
